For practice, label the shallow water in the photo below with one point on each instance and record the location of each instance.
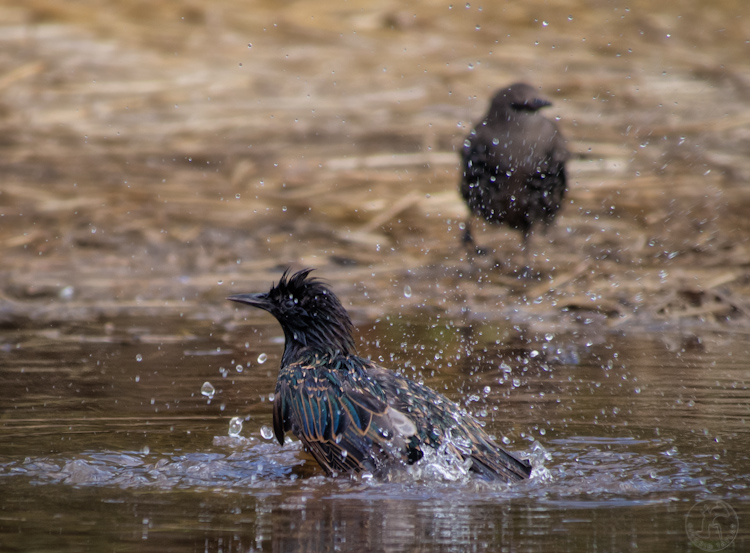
(118, 447)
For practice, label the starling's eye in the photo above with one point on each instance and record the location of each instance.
(290, 302)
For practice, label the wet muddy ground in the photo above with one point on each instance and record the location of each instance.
(155, 159)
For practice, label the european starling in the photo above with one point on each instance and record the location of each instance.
(514, 164)
(351, 414)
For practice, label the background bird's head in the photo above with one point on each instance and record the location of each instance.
(518, 97)
(309, 313)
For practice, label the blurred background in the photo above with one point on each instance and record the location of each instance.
(156, 157)
(151, 151)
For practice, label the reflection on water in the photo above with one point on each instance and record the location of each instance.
(621, 452)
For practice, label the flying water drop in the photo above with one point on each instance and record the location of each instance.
(266, 432)
(208, 390)
(235, 427)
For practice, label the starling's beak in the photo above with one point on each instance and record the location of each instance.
(256, 300)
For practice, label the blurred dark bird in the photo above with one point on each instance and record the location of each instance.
(351, 414)
(514, 164)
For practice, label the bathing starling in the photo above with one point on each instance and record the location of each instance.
(351, 414)
(514, 164)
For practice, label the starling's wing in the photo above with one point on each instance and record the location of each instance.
(438, 420)
(482, 158)
(340, 416)
(488, 182)
(281, 421)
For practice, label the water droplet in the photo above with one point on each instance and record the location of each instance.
(137, 378)
(208, 390)
(262, 358)
(139, 357)
(516, 382)
(407, 291)
(235, 427)
(237, 196)
(250, 45)
(239, 368)
(344, 453)
(544, 23)
(67, 293)
(487, 390)
(266, 432)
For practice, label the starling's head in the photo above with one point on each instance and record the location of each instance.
(518, 97)
(310, 314)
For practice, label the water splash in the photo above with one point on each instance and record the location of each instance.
(255, 464)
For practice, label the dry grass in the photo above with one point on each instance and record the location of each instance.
(149, 154)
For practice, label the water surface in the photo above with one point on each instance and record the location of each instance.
(627, 432)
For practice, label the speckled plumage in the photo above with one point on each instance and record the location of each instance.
(514, 163)
(351, 414)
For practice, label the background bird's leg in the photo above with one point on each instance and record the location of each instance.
(468, 240)
(526, 269)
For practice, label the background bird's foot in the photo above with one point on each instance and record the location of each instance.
(468, 241)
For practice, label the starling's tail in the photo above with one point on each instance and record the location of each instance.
(503, 465)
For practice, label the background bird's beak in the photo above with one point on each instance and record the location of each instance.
(537, 103)
(532, 104)
(256, 300)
